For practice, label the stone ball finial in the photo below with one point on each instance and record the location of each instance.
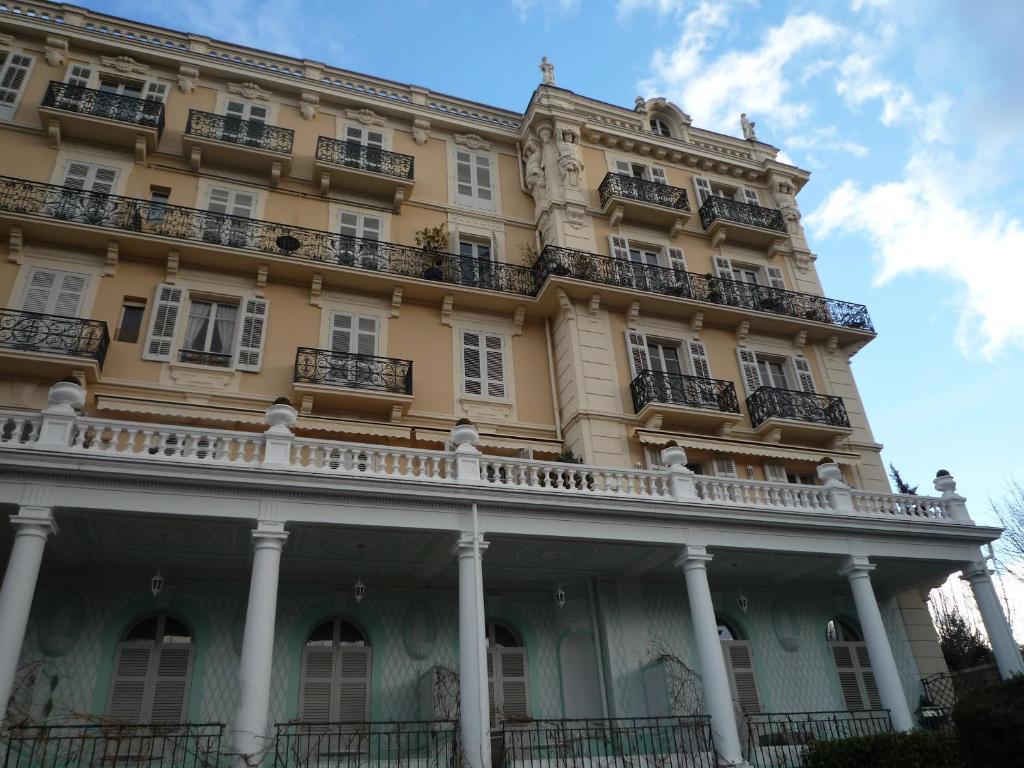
(465, 435)
(281, 417)
(944, 482)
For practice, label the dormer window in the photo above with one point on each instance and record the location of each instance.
(660, 126)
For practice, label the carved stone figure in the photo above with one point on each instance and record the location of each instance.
(534, 165)
(570, 161)
(748, 127)
(785, 201)
(547, 71)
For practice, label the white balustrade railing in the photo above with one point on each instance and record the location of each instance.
(196, 445)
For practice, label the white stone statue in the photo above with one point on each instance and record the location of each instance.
(785, 201)
(548, 71)
(748, 127)
(570, 161)
(534, 165)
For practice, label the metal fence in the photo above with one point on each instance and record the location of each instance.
(778, 740)
(148, 113)
(412, 744)
(54, 334)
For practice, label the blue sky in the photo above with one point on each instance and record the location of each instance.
(907, 112)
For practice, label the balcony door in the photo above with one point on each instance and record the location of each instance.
(359, 235)
(336, 666)
(55, 293)
(152, 672)
(229, 218)
(364, 147)
(475, 263)
(506, 674)
(72, 204)
(353, 347)
(853, 666)
(243, 122)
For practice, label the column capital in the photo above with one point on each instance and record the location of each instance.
(693, 556)
(976, 570)
(856, 566)
(34, 521)
(468, 543)
(269, 534)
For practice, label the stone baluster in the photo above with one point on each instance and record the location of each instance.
(278, 438)
(467, 456)
(63, 402)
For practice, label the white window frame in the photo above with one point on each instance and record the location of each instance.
(221, 106)
(473, 201)
(354, 317)
(206, 187)
(215, 303)
(51, 303)
(650, 171)
(7, 112)
(795, 378)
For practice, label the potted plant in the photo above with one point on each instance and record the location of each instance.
(465, 433)
(281, 415)
(433, 241)
(66, 395)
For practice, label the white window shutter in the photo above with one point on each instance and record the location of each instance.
(750, 196)
(699, 360)
(341, 333)
(624, 167)
(740, 663)
(658, 175)
(366, 336)
(170, 687)
(748, 370)
(235, 109)
(76, 175)
(676, 260)
(353, 683)
(849, 680)
(70, 292)
(514, 702)
(803, 373)
(483, 181)
(867, 676)
(775, 473)
(103, 180)
(131, 673)
(618, 247)
(775, 279)
(13, 75)
(250, 340)
(723, 467)
(639, 359)
(316, 695)
(163, 323)
(472, 364)
(464, 177)
(703, 189)
(495, 358)
(38, 290)
(723, 268)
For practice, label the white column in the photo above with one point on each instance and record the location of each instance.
(711, 663)
(1004, 647)
(474, 711)
(883, 663)
(33, 525)
(250, 735)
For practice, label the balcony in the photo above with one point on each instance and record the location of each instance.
(75, 111)
(779, 739)
(806, 416)
(742, 223)
(678, 401)
(353, 382)
(639, 201)
(593, 268)
(52, 346)
(231, 141)
(200, 357)
(370, 170)
(427, 744)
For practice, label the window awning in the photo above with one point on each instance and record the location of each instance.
(499, 442)
(744, 447)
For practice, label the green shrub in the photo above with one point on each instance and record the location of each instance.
(990, 723)
(917, 749)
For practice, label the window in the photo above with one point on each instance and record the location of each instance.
(364, 147)
(336, 665)
(801, 478)
(761, 370)
(152, 671)
(853, 666)
(14, 69)
(773, 372)
(132, 311)
(233, 209)
(159, 198)
(483, 364)
(243, 123)
(641, 171)
(723, 467)
(78, 75)
(210, 333)
(133, 88)
(360, 233)
(660, 127)
(353, 335)
(663, 356)
(475, 265)
(506, 673)
(739, 663)
(473, 184)
(54, 292)
(705, 188)
(638, 257)
(83, 177)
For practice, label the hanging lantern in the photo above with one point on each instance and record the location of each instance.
(560, 597)
(359, 590)
(743, 602)
(156, 583)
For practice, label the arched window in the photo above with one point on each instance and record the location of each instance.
(336, 663)
(152, 671)
(853, 665)
(739, 662)
(506, 673)
(659, 125)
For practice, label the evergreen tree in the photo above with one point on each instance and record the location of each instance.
(901, 484)
(962, 644)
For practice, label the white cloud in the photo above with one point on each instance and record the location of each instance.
(548, 7)
(625, 8)
(755, 81)
(926, 223)
(826, 138)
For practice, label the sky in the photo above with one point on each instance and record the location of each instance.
(907, 113)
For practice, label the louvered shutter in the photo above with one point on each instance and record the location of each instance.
(849, 680)
(353, 684)
(235, 109)
(366, 336)
(170, 687)
(38, 290)
(741, 671)
(492, 694)
(639, 358)
(703, 189)
(131, 673)
(341, 333)
(495, 358)
(483, 180)
(723, 268)
(68, 300)
(317, 685)
(513, 682)
(867, 675)
(624, 167)
(658, 175)
(699, 360)
(803, 373)
(464, 177)
(76, 175)
(618, 247)
(257, 114)
(250, 340)
(776, 473)
(775, 279)
(163, 323)
(749, 196)
(677, 261)
(13, 74)
(722, 467)
(472, 365)
(748, 370)
(103, 180)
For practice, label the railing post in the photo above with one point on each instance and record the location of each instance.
(956, 505)
(680, 478)
(278, 438)
(64, 400)
(467, 456)
(839, 496)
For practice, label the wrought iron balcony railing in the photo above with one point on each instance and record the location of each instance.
(678, 389)
(427, 744)
(112, 106)
(247, 133)
(771, 403)
(353, 371)
(778, 739)
(201, 357)
(363, 158)
(191, 224)
(623, 185)
(54, 334)
(742, 213)
(189, 745)
(669, 742)
(594, 268)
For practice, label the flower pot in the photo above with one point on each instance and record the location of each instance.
(281, 417)
(465, 434)
(66, 397)
(433, 273)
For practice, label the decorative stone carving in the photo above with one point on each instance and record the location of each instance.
(785, 200)
(308, 103)
(187, 77)
(420, 128)
(534, 158)
(547, 71)
(364, 116)
(419, 630)
(575, 216)
(61, 620)
(56, 51)
(570, 159)
(15, 245)
(125, 64)
(748, 127)
(518, 318)
(472, 141)
(249, 90)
